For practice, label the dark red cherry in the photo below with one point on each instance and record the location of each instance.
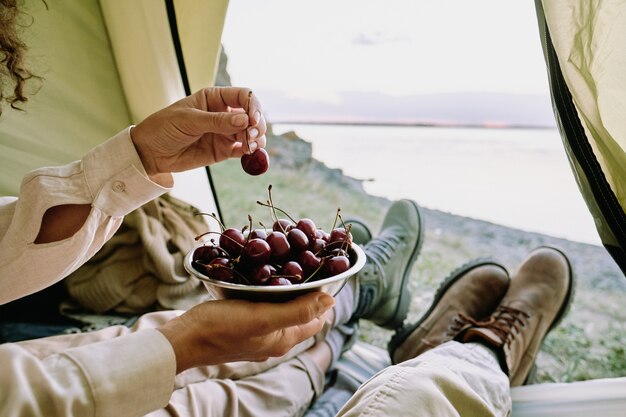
(261, 274)
(221, 269)
(309, 262)
(282, 225)
(257, 252)
(256, 163)
(279, 281)
(298, 241)
(308, 227)
(292, 271)
(336, 265)
(279, 245)
(232, 241)
(340, 235)
(258, 234)
(317, 246)
(205, 254)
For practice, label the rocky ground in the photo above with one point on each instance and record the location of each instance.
(589, 343)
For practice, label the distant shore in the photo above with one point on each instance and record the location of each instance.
(412, 124)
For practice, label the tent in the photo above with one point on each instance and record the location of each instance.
(109, 63)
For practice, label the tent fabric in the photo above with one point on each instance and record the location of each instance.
(152, 74)
(80, 102)
(583, 45)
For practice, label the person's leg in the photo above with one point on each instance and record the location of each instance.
(471, 375)
(453, 379)
(285, 390)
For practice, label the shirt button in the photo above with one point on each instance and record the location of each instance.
(118, 186)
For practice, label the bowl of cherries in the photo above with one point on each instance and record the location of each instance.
(278, 263)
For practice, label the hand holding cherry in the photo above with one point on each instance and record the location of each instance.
(257, 162)
(207, 127)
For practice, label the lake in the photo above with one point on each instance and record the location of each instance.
(514, 177)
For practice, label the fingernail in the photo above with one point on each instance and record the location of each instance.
(253, 146)
(254, 132)
(239, 120)
(257, 117)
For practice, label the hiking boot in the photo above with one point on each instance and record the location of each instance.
(383, 297)
(537, 299)
(361, 233)
(469, 294)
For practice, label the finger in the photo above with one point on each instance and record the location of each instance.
(220, 98)
(302, 310)
(199, 122)
(289, 337)
(260, 126)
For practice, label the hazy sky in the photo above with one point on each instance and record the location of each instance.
(314, 49)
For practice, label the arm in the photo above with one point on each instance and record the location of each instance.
(131, 374)
(65, 214)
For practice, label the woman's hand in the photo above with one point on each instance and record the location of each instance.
(223, 331)
(202, 129)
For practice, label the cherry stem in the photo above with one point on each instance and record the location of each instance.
(249, 233)
(271, 202)
(214, 216)
(226, 236)
(337, 215)
(314, 272)
(247, 111)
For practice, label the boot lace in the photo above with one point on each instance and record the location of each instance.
(458, 322)
(506, 323)
(381, 249)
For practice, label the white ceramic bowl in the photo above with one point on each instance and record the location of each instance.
(276, 293)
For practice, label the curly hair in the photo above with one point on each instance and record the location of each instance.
(13, 71)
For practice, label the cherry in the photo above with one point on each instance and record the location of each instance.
(205, 254)
(261, 274)
(279, 281)
(340, 235)
(257, 252)
(293, 272)
(232, 241)
(258, 234)
(308, 227)
(279, 246)
(282, 225)
(310, 263)
(336, 265)
(298, 240)
(317, 245)
(338, 252)
(256, 163)
(221, 269)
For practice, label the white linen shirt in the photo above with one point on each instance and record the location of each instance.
(126, 376)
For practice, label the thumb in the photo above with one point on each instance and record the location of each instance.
(225, 123)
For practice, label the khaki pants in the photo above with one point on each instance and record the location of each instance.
(453, 379)
(283, 386)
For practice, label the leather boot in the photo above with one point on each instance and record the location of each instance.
(467, 295)
(537, 299)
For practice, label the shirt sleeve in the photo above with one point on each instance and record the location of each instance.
(110, 178)
(130, 375)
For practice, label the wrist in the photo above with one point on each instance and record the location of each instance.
(161, 178)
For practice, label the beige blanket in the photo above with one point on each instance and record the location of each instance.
(141, 268)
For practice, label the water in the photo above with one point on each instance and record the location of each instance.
(515, 177)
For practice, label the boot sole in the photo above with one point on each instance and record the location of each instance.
(402, 309)
(402, 334)
(567, 303)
